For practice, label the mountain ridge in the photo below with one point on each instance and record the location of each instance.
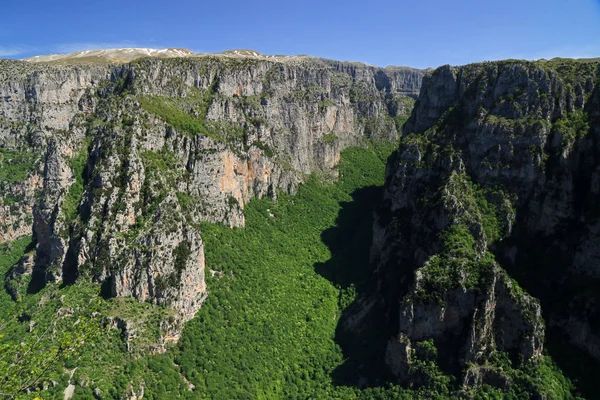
(126, 55)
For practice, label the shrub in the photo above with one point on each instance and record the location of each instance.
(15, 166)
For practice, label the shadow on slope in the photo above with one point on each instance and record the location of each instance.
(363, 344)
(541, 268)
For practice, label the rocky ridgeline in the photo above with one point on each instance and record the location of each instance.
(498, 170)
(115, 166)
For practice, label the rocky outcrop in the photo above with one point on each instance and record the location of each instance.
(38, 105)
(135, 156)
(16, 208)
(498, 164)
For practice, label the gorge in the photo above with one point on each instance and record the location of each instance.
(236, 225)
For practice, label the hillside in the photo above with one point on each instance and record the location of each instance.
(115, 168)
(247, 226)
(491, 195)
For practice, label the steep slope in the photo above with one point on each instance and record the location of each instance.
(497, 171)
(115, 166)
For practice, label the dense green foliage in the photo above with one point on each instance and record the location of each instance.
(544, 377)
(457, 260)
(570, 70)
(269, 329)
(573, 126)
(63, 328)
(31, 350)
(187, 114)
(10, 253)
(169, 109)
(329, 138)
(400, 120)
(15, 166)
(73, 198)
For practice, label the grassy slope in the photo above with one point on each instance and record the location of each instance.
(10, 254)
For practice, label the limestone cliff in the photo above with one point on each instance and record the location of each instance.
(497, 170)
(115, 166)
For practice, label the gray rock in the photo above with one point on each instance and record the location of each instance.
(148, 183)
(506, 132)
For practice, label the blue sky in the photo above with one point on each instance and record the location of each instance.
(425, 33)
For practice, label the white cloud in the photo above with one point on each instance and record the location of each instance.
(8, 51)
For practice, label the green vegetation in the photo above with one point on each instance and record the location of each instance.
(15, 166)
(329, 138)
(181, 253)
(404, 104)
(169, 109)
(63, 328)
(278, 289)
(400, 120)
(188, 114)
(32, 349)
(476, 206)
(269, 310)
(570, 70)
(42, 351)
(518, 126)
(252, 102)
(267, 328)
(267, 150)
(73, 198)
(161, 172)
(457, 259)
(573, 126)
(544, 378)
(490, 213)
(10, 254)
(426, 369)
(459, 263)
(185, 200)
(159, 162)
(326, 102)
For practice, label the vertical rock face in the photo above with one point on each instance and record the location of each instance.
(165, 265)
(118, 165)
(497, 165)
(38, 106)
(16, 211)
